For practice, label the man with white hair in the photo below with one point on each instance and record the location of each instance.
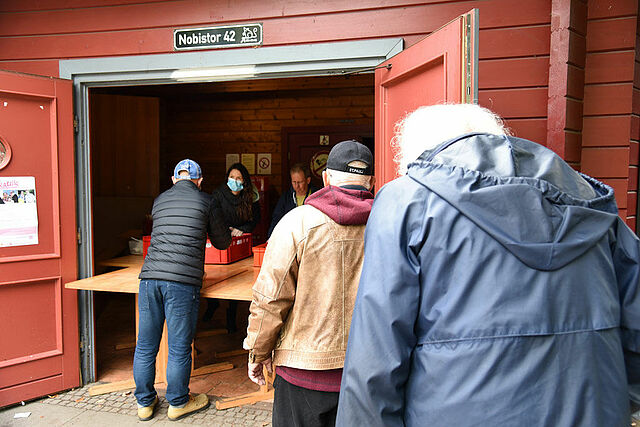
(499, 287)
(304, 295)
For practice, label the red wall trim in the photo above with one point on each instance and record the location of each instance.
(566, 77)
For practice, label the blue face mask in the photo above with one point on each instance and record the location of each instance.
(234, 185)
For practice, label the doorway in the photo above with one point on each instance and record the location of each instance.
(138, 133)
(322, 59)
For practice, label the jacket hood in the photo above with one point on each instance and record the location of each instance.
(344, 206)
(522, 194)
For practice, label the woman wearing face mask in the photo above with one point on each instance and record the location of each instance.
(237, 199)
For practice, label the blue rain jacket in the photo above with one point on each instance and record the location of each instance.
(499, 288)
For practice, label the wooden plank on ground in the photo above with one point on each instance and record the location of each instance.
(110, 387)
(245, 399)
(209, 369)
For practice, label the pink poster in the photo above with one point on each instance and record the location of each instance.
(18, 211)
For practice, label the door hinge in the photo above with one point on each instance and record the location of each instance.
(75, 124)
(79, 236)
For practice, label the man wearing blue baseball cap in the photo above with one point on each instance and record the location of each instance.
(171, 279)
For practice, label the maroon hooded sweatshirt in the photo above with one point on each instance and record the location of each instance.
(347, 205)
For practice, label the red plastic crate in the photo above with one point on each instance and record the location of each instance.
(239, 248)
(258, 254)
(146, 241)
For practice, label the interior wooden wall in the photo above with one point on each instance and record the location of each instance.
(124, 168)
(207, 121)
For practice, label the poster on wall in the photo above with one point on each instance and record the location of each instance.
(18, 210)
(231, 159)
(249, 162)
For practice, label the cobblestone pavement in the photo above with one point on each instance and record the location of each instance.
(124, 404)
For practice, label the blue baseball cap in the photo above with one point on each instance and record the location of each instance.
(190, 166)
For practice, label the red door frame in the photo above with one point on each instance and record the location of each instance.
(42, 348)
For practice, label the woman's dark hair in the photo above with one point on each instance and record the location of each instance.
(245, 208)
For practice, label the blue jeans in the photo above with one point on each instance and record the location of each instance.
(178, 304)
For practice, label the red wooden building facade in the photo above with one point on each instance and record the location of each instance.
(563, 73)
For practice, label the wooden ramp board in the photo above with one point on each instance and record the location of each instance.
(110, 387)
(245, 399)
(265, 393)
(210, 369)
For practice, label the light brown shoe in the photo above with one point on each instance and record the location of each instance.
(195, 404)
(146, 413)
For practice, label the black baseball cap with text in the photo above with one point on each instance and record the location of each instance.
(348, 151)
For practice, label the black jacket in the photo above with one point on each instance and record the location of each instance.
(286, 202)
(224, 200)
(182, 218)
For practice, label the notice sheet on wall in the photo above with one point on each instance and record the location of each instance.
(18, 211)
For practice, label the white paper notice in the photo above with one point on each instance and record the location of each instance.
(18, 211)
(231, 159)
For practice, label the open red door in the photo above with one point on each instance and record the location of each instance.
(39, 351)
(440, 68)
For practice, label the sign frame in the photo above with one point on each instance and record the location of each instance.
(224, 29)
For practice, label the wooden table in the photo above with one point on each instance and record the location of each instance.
(232, 281)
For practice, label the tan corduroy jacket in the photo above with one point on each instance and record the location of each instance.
(304, 295)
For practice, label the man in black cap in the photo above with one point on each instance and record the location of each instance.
(304, 295)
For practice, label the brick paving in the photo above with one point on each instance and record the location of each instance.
(257, 414)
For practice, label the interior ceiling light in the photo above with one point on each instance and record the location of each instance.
(214, 73)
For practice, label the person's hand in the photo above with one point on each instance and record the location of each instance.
(255, 371)
(235, 232)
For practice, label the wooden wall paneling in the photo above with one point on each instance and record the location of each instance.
(573, 147)
(610, 67)
(515, 103)
(633, 153)
(532, 129)
(612, 9)
(633, 178)
(35, 5)
(620, 187)
(566, 78)
(513, 72)
(329, 17)
(575, 82)
(635, 128)
(610, 99)
(98, 36)
(615, 34)
(607, 99)
(601, 131)
(208, 127)
(632, 204)
(609, 162)
(514, 42)
(124, 133)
